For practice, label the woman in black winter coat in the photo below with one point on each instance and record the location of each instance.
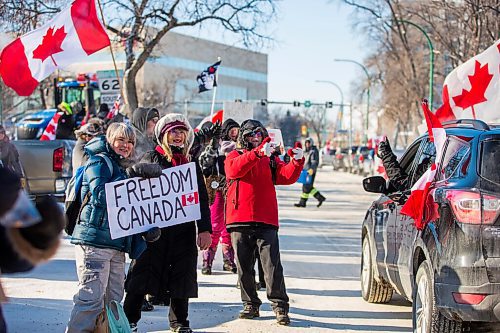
(167, 269)
(9, 157)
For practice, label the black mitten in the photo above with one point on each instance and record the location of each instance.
(152, 235)
(144, 170)
(384, 149)
(46, 233)
(216, 130)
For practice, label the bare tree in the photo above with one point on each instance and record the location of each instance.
(400, 57)
(315, 118)
(141, 24)
(21, 16)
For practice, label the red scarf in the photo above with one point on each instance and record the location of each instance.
(177, 158)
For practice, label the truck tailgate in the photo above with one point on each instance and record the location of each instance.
(37, 159)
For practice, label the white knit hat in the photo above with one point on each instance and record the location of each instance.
(171, 121)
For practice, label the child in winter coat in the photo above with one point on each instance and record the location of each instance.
(212, 163)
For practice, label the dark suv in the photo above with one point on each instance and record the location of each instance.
(450, 271)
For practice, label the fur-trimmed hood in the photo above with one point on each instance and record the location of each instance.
(171, 118)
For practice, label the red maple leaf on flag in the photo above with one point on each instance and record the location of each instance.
(51, 44)
(479, 83)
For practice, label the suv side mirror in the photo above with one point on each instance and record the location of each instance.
(376, 184)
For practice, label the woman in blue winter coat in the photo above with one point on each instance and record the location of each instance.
(100, 260)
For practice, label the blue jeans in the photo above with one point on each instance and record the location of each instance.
(101, 278)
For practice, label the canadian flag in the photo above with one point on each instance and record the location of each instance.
(116, 107)
(217, 116)
(50, 131)
(472, 90)
(420, 205)
(190, 199)
(72, 35)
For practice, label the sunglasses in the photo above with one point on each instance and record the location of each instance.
(256, 133)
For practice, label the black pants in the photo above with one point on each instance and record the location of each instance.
(3, 326)
(307, 188)
(245, 241)
(177, 314)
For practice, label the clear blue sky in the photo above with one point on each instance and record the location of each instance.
(311, 34)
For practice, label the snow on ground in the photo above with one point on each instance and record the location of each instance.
(320, 251)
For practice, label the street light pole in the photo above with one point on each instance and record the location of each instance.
(341, 97)
(367, 93)
(431, 59)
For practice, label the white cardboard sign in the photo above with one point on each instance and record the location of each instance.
(137, 204)
(276, 137)
(238, 111)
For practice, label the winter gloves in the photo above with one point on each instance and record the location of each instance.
(152, 235)
(144, 170)
(296, 152)
(214, 131)
(264, 149)
(227, 146)
(384, 149)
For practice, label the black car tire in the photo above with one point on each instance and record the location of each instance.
(372, 290)
(424, 304)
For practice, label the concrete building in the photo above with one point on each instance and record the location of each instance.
(168, 79)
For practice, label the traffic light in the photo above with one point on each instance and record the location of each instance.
(303, 130)
(329, 105)
(296, 103)
(307, 104)
(263, 102)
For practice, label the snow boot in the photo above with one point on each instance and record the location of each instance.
(228, 258)
(320, 198)
(302, 203)
(208, 258)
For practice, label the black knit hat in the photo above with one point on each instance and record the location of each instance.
(247, 127)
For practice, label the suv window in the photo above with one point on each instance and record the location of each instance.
(425, 160)
(456, 150)
(490, 159)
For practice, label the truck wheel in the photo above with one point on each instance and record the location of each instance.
(372, 290)
(426, 316)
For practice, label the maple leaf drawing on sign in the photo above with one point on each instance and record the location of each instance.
(51, 44)
(479, 83)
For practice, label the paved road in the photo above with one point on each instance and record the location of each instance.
(321, 256)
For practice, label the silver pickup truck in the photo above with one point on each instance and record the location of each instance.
(47, 166)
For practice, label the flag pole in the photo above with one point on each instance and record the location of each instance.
(215, 91)
(112, 53)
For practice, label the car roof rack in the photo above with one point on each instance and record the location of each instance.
(476, 124)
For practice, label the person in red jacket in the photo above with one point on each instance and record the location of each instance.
(252, 215)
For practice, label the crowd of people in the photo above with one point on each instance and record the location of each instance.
(237, 169)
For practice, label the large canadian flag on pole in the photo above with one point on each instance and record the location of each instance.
(72, 35)
(420, 204)
(472, 90)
